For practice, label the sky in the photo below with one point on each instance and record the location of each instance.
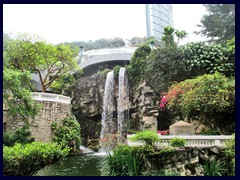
(58, 23)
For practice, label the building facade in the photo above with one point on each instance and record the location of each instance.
(158, 16)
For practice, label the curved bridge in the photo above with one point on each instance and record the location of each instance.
(97, 60)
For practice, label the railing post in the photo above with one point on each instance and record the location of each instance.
(217, 142)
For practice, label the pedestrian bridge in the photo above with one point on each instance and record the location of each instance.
(97, 60)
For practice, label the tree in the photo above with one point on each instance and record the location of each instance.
(219, 23)
(16, 88)
(137, 64)
(168, 36)
(180, 35)
(48, 61)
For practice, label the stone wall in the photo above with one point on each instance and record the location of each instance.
(189, 161)
(40, 126)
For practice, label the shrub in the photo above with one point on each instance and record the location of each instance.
(147, 135)
(22, 136)
(25, 160)
(208, 93)
(177, 142)
(165, 66)
(204, 58)
(210, 132)
(68, 135)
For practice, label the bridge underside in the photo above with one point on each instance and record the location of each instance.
(94, 68)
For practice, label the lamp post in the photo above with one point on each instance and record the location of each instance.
(151, 45)
(81, 53)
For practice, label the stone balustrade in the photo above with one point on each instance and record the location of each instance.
(51, 97)
(192, 140)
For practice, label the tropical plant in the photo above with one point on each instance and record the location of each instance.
(25, 160)
(168, 36)
(147, 135)
(68, 134)
(214, 168)
(177, 142)
(127, 161)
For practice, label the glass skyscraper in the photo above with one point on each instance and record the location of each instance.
(158, 16)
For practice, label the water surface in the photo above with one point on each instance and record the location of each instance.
(85, 165)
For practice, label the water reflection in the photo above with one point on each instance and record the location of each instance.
(85, 165)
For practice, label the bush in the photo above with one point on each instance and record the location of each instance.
(25, 160)
(208, 93)
(177, 142)
(68, 135)
(210, 132)
(22, 136)
(204, 58)
(165, 66)
(148, 136)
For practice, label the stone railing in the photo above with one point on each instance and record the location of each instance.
(192, 140)
(51, 97)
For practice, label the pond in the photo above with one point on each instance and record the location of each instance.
(84, 165)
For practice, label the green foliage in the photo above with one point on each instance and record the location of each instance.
(201, 58)
(210, 132)
(116, 70)
(25, 160)
(147, 135)
(127, 161)
(168, 36)
(165, 66)
(208, 93)
(62, 83)
(138, 64)
(22, 136)
(177, 142)
(214, 168)
(229, 151)
(30, 53)
(104, 72)
(68, 135)
(219, 23)
(16, 94)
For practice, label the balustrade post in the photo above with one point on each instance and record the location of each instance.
(217, 142)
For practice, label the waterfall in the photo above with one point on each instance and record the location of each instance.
(123, 101)
(108, 124)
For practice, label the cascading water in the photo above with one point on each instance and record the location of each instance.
(108, 105)
(123, 101)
